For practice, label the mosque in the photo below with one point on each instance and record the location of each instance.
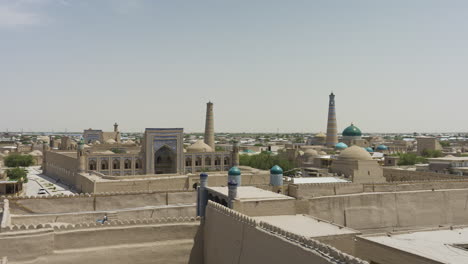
(161, 151)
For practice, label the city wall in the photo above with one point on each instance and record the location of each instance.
(392, 174)
(91, 217)
(230, 237)
(411, 209)
(97, 202)
(166, 240)
(310, 190)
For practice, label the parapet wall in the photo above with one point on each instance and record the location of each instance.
(310, 190)
(91, 243)
(231, 237)
(96, 202)
(393, 210)
(392, 174)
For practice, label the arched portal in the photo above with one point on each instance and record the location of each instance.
(165, 161)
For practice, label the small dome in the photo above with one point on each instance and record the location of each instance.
(301, 153)
(352, 131)
(322, 153)
(276, 170)
(320, 135)
(97, 142)
(6, 152)
(234, 171)
(199, 146)
(369, 149)
(354, 153)
(311, 153)
(341, 145)
(382, 147)
(110, 141)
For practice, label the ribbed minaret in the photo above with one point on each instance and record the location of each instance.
(209, 126)
(332, 131)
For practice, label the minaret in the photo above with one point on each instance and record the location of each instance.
(81, 156)
(332, 131)
(116, 127)
(209, 126)
(235, 153)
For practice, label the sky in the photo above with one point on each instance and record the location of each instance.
(268, 65)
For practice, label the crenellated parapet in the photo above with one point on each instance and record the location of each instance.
(86, 195)
(112, 223)
(326, 251)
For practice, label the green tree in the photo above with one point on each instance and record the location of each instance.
(410, 159)
(17, 174)
(432, 153)
(18, 160)
(445, 143)
(265, 161)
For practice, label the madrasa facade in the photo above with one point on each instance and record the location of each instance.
(161, 151)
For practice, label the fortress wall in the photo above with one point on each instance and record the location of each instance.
(94, 202)
(169, 240)
(61, 166)
(397, 209)
(392, 174)
(310, 190)
(91, 217)
(158, 184)
(26, 246)
(267, 207)
(6, 217)
(103, 237)
(230, 237)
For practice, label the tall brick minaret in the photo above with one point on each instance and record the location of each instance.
(332, 131)
(209, 126)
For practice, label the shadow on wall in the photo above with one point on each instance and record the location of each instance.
(196, 255)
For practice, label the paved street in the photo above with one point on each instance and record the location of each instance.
(37, 181)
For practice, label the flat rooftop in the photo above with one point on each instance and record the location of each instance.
(437, 244)
(246, 193)
(317, 180)
(305, 225)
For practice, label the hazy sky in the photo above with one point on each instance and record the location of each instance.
(268, 65)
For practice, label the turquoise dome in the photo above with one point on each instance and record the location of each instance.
(234, 171)
(382, 147)
(276, 170)
(341, 145)
(352, 131)
(369, 149)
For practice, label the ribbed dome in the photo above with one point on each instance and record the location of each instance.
(276, 170)
(341, 145)
(199, 146)
(352, 131)
(354, 153)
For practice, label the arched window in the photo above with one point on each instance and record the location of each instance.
(198, 161)
(116, 164)
(92, 165)
(217, 161)
(127, 164)
(104, 165)
(137, 164)
(208, 161)
(188, 162)
(226, 161)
